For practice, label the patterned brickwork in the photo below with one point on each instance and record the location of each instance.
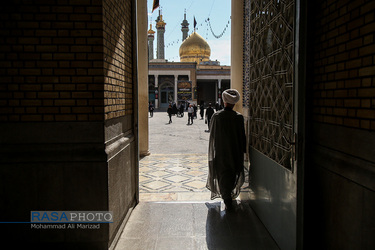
(344, 57)
(118, 56)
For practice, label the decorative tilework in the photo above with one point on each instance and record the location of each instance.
(182, 173)
(173, 176)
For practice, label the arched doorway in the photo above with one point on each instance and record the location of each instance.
(166, 94)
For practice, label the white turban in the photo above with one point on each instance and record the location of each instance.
(231, 96)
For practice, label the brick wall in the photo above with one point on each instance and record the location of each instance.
(55, 59)
(118, 56)
(344, 57)
(51, 58)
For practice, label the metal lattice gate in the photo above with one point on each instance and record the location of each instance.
(268, 76)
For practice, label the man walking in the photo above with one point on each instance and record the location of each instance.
(227, 145)
(209, 112)
(151, 109)
(201, 109)
(190, 114)
(170, 111)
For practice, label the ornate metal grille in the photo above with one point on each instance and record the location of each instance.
(246, 55)
(270, 76)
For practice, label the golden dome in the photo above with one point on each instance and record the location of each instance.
(194, 49)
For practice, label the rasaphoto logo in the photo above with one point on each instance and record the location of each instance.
(71, 217)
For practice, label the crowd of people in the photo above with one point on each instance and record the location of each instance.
(192, 110)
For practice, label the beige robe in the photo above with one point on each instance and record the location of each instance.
(227, 145)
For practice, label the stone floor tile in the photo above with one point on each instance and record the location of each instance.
(194, 225)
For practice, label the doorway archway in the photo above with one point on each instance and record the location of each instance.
(166, 91)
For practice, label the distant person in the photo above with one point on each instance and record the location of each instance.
(209, 112)
(181, 109)
(170, 111)
(174, 109)
(151, 109)
(190, 114)
(195, 110)
(227, 145)
(218, 106)
(201, 109)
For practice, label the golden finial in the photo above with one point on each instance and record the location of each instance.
(150, 31)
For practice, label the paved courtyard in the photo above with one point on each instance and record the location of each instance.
(177, 137)
(176, 169)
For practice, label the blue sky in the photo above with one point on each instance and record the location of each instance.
(218, 12)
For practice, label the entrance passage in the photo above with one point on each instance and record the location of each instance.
(207, 92)
(175, 210)
(166, 95)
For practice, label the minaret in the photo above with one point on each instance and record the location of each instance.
(150, 35)
(184, 27)
(160, 26)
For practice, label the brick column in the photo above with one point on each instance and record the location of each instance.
(67, 115)
(142, 77)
